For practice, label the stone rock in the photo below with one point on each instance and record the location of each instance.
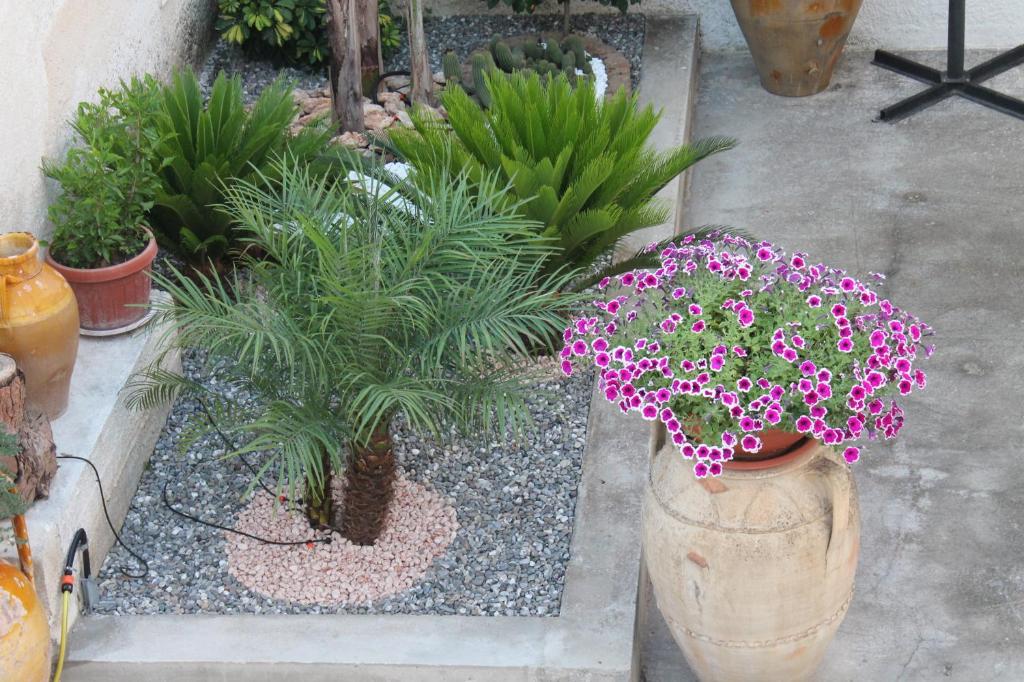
(397, 82)
(392, 102)
(353, 140)
(376, 118)
(404, 119)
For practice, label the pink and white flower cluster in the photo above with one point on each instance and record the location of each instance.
(729, 338)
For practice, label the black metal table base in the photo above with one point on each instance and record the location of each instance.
(955, 80)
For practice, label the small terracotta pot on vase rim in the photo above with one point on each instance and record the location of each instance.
(114, 296)
(778, 447)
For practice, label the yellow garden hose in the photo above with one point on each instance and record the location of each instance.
(65, 600)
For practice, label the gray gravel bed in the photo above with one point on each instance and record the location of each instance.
(515, 503)
(463, 34)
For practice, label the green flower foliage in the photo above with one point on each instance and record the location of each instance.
(212, 146)
(581, 169)
(361, 310)
(292, 30)
(108, 179)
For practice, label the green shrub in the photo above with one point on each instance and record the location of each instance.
(580, 168)
(292, 30)
(361, 312)
(212, 146)
(109, 179)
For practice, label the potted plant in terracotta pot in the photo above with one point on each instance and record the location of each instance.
(100, 243)
(760, 372)
(796, 43)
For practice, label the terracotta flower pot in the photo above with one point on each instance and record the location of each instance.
(108, 297)
(753, 570)
(795, 43)
(38, 322)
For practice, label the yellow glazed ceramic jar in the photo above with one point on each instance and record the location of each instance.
(38, 322)
(24, 635)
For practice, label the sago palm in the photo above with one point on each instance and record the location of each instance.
(357, 312)
(581, 168)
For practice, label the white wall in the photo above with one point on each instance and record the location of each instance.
(55, 53)
(891, 24)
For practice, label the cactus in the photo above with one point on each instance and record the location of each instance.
(533, 51)
(451, 67)
(481, 64)
(569, 63)
(553, 52)
(547, 61)
(575, 44)
(505, 59)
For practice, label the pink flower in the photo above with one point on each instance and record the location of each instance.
(700, 470)
(807, 368)
(744, 384)
(698, 327)
(851, 454)
(804, 424)
(746, 317)
(649, 412)
(695, 309)
(751, 444)
(567, 368)
(845, 345)
(579, 347)
(814, 301)
(602, 359)
(838, 310)
(599, 344)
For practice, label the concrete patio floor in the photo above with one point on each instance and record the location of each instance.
(936, 202)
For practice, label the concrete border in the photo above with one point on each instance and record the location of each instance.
(98, 426)
(594, 636)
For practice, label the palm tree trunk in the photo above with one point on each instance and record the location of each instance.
(370, 60)
(346, 80)
(319, 505)
(370, 479)
(419, 56)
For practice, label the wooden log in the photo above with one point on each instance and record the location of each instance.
(419, 56)
(346, 85)
(370, 58)
(35, 464)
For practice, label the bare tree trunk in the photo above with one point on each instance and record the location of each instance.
(346, 86)
(35, 464)
(419, 57)
(369, 487)
(565, 18)
(370, 57)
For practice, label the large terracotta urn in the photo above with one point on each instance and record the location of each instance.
(753, 570)
(796, 43)
(38, 322)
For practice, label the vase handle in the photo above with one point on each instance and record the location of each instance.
(837, 477)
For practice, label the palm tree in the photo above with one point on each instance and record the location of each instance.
(361, 311)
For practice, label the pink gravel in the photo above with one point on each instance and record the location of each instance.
(421, 526)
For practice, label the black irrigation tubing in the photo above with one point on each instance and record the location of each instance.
(103, 500)
(210, 524)
(376, 85)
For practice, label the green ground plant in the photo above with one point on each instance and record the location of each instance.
(358, 312)
(212, 146)
(582, 170)
(108, 179)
